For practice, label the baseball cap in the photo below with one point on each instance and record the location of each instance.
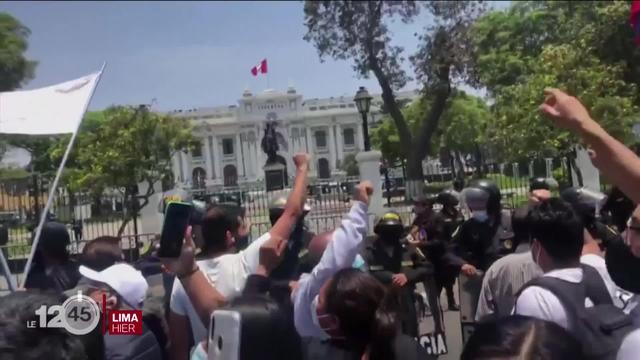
(124, 279)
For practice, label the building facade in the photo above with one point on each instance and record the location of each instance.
(230, 154)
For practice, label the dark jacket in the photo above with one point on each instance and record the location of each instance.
(402, 260)
(405, 348)
(132, 347)
(60, 278)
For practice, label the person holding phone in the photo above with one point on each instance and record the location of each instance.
(220, 275)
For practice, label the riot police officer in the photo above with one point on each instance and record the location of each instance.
(398, 265)
(297, 244)
(445, 223)
(487, 235)
(587, 203)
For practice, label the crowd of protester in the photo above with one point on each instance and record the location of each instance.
(556, 278)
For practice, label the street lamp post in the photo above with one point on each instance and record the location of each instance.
(363, 103)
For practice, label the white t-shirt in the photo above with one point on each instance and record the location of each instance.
(228, 273)
(541, 303)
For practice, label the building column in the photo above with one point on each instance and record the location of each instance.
(175, 165)
(339, 142)
(309, 146)
(238, 153)
(207, 157)
(360, 139)
(258, 151)
(186, 167)
(217, 158)
(332, 148)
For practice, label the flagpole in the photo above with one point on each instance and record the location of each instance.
(54, 186)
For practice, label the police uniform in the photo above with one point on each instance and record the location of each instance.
(384, 258)
(445, 224)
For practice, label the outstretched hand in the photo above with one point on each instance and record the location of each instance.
(565, 110)
(185, 263)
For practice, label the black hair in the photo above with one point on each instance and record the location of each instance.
(366, 312)
(101, 252)
(217, 221)
(520, 225)
(54, 239)
(559, 230)
(267, 330)
(19, 342)
(521, 337)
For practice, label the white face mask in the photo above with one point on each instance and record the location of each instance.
(480, 215)
(536, 254)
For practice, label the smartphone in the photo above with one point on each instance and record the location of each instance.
(176, 220)
(224, 335)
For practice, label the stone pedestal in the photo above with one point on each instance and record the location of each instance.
(369, 166)
(275, 176)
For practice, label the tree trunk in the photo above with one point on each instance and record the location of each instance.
(125, 222)
(415, 179)
(460, 175)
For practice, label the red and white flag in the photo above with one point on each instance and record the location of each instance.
(260, 68)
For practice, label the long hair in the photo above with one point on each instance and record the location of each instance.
(521, 337)
(366, 311)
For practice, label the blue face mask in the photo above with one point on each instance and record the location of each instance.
(480, 215)
(358, 263)
(198, 353)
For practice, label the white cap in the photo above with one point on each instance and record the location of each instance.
(124, 279)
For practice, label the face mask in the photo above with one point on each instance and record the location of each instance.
(324, 321)
(198, 353)
(358, 263)
(480, 215)
(535, 252)
(623, 266)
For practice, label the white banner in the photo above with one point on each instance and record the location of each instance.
(56, 109)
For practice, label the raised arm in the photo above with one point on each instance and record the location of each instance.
(618, 163)
(293, 208)
(339, 254)
(203, 295)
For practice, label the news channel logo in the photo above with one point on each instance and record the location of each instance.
(79, 315)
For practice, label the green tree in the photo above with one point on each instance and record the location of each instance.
(122, 147)
(15, 68)
(350, 166)
(585, 48)
(462, 127)
(358, 31)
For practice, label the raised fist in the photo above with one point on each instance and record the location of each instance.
(564, 110)
(363, 191)
(302, 160)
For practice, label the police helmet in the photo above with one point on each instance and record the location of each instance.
(277, 204)
(448, 197)
(584, 201)
(389, 223)
(476, 198)
(539, 183)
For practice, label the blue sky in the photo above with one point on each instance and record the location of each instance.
(184, 54)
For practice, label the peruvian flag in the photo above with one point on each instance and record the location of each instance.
(634, 19)
(261, 68)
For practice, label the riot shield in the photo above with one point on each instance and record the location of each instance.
(469, 294)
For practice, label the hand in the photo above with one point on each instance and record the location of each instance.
(469, 270)
(293, 286)
(564, 110)
(301, 161)
(539, 196)
(271, 254)
(363, 192)
(185, 263)
(399, 280)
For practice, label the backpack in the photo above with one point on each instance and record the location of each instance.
(601, 328)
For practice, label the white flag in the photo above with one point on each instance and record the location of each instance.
(56, 109)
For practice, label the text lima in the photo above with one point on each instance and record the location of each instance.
(125, 322)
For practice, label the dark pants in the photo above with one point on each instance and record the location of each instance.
(445, 277)
(433, 297)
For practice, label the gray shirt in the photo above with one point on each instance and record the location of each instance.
(502, 281)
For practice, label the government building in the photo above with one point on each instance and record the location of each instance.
(230, 152)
